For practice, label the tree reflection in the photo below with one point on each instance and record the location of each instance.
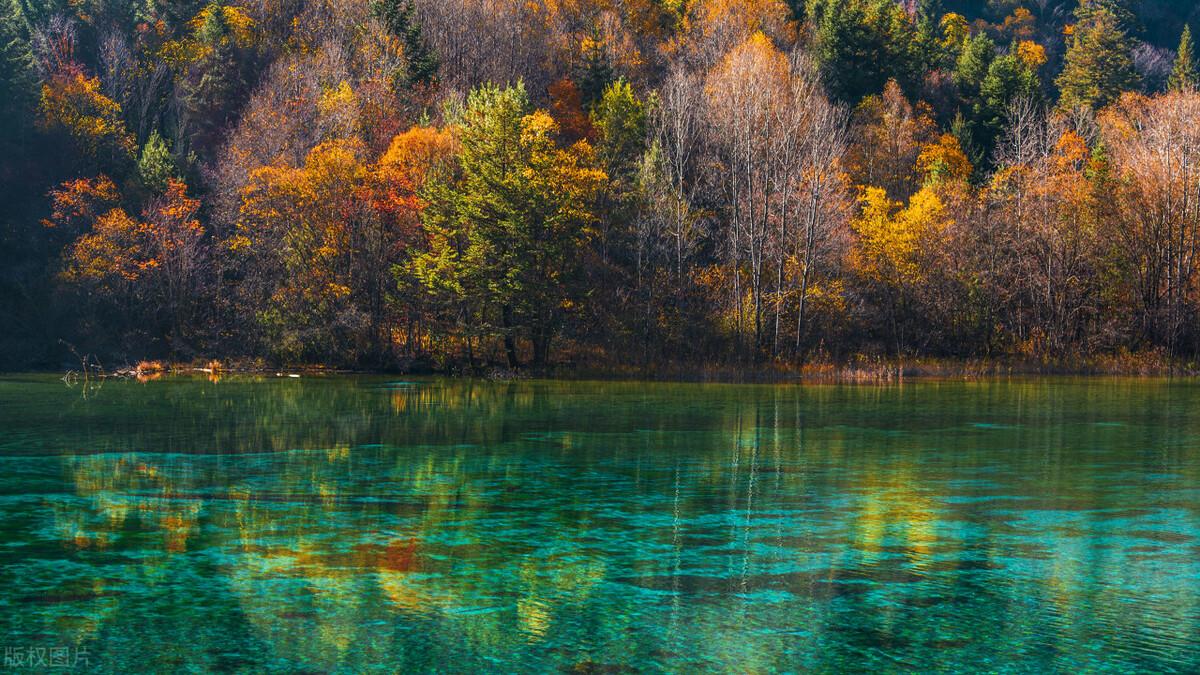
(349, 522)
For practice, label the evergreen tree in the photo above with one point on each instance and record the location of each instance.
(596, 73)
(400, 18)
(987, 85)
(1184, 77)
(520, 214)
(215, 84)
(1007, 80)
(928, 39)
(156, 166)
(976, 57)
(1099, 62)
(861, 44)
(17, 81)
(1119, 10)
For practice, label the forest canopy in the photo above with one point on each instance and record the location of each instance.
(408, 183)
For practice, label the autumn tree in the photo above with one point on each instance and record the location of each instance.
(143, 273)
(745, 89)
(669, 224)
(892, 243)
(778, 144)
(1154, 144)
(1045, 203)
(415, 158)
(889, 133)
(73, 104)
(293, 246)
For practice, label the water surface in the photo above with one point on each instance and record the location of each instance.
(368, 524)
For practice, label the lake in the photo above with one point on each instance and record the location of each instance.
(360, 524)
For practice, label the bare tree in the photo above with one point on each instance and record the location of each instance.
(1155, 144)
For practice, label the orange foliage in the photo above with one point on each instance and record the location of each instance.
(1020, 25)
(122, 248)
(891, 135)
(114, 249)
(566, 106)
(77, 203)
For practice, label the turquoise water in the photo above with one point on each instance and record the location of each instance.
(367, 524)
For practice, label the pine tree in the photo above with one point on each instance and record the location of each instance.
(1184, 77)
(976, 57)
(215, 82)
(400, 18)
(596, 73)
(1119, 10)
(156, 167)
(861, 44)
(16, 60)
(522, 210)
(1007, 80)
(17, 80)
(928, 22)
(1099, 62)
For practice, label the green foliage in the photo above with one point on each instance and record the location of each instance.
(988, 84)
(1184, 76)
(520, 215)
(596, 71)
(976, 57)
(156, 166)
(1119, 10)
(399, 16)
(965, 133)
(861, 44)
(928, 38)
(18, 92)
(1099, 62)
(620, 121)
(1007, 80)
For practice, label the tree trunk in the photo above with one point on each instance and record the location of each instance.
(510, 344)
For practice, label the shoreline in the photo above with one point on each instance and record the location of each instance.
(860, 370)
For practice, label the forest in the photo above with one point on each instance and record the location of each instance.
(468, 184)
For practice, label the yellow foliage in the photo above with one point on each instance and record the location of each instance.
(193, 47)
(749, 15)
(1032, 54)
(336, 99)
(955, 30)
(536, 125)
(73, 103)
(944, 159)
(241, 26)
(891, 238)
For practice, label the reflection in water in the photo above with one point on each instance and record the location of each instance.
(357, 523)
